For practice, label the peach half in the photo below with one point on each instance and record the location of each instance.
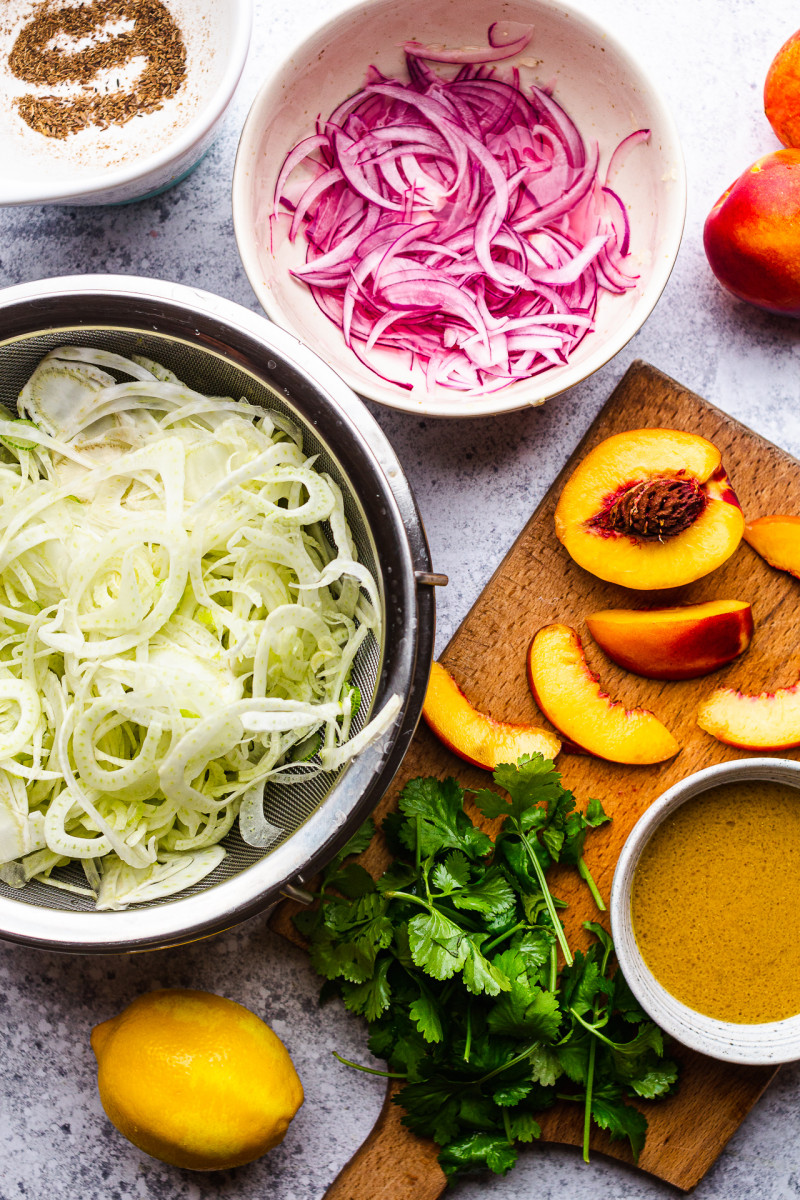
(571, 698)
(777, 539)
(474, 736)
(650, 509)
(770, 721)
(674, 643)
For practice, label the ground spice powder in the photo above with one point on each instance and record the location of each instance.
(35, 59)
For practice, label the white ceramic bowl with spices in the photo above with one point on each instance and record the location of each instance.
(595, 79)
(173, 64)
(759, 1043)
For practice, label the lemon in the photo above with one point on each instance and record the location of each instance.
(195, 1080)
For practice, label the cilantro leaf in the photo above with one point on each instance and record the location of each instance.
(435, 809)
(396, 878)
(493, 894)
(628, 1056)
(408, 1055)
(480, 975)
(534, 780)
(352, 880)
(476, 1110)
(624, 1002)
(534, 947)
(582, 982)
(553, 840)
(425, 1015)
(522, 1126)
(508, 1097)
(356, 845)
(657, 1081)
(351, 961)
(526, 1012)
(576, 828)
(620, 1120)
(573, 1056)
(601, 934)
(431, 1108)
(478, 1150)
(595, 814)
(437, 944)
(451, 874)
(372, 996)
(545, 1065)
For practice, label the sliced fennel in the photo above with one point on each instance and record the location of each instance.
(176, 628)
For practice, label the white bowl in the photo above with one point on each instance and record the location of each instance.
(768, 1042)
(596, 80)
(96, 169)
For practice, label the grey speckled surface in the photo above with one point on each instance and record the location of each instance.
(476, 487)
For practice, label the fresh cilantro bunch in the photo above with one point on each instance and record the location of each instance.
(453, 958)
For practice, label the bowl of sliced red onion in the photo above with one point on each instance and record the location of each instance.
(461, 219)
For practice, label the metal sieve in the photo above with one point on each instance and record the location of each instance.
(219, 348)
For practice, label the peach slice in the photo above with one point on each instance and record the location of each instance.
(777, 539)
(770, 721)
(651, 508)
(474, 736)
(674, 643)
(570, 696)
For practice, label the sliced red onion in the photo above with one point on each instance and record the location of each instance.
(496, 51)
(461, 224)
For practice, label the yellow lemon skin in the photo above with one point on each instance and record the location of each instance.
(195, 1080)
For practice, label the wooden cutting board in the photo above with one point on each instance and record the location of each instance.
(538, 583)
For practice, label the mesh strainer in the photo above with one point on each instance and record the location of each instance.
(220, 348)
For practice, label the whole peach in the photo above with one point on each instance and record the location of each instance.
(782, 92)
(752, 234)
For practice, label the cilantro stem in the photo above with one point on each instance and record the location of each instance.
(512, 1062)
(407, 896)
(548, 899)
(369, 1070)
(595, 1029)
(587, 1111)
(509, 933)
(507, 1127)
(468, 1043)
(586, 876)
(552, 982)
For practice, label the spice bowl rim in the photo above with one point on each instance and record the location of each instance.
(149, 175)
(758, 1044)
(284, 110)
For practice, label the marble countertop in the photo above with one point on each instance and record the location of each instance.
(476, 487)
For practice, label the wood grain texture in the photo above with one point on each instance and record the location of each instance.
(538, 583)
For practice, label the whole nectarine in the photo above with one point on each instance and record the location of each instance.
(782, 92)
(752, 234)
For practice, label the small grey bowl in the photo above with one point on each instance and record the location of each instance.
(771, 1042)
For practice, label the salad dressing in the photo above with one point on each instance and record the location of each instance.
(715, 902)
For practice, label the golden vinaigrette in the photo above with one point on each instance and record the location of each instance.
(715, 903)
